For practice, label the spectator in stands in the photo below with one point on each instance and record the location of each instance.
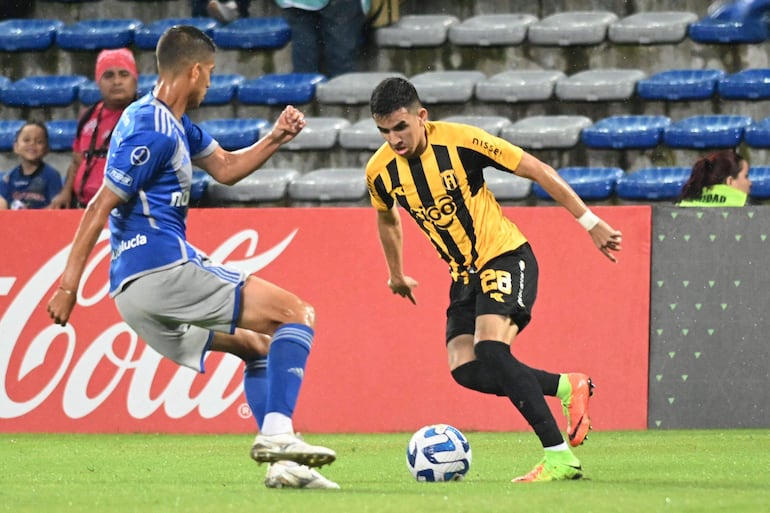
(224, 11)
(33, 183)
(117, 77)
(720, 179)
(326, 35)
(434, 171)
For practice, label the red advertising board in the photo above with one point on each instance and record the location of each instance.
(378, 362)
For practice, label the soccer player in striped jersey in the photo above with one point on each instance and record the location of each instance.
(172, 295)
(433, 170)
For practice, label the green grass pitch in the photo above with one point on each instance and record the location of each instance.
(725, 471)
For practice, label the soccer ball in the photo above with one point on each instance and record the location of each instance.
(438, 453)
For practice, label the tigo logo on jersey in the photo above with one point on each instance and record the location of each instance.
(140, 155)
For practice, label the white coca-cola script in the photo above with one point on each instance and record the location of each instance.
(138, 364)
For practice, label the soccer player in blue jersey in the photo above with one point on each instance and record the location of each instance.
(175, 298)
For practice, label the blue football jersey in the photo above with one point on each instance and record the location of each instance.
(149, 166)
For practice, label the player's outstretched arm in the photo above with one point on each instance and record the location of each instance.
(94, 217)
(605, 238)
(391, 238)
(230, 167)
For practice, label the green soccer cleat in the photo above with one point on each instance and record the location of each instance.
(574, 402)
(554, 467)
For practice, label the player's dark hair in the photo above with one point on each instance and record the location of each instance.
(710, 170)
(33, 122)
(181, 45)
(392, 94)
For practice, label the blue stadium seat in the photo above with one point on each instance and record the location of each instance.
(706, 131)
(757, 135)
(620, 132)
(280, 89)
(8, 129)
(571, 28)
(253, 33)
(146, 83)
(652, 183)
(89, 93)
(235, 133)
(741, 21)
(223, 89)
(749, 84)
(590, 183)
(760, 182)
(61, 134)
(680, 84)
(200, 183)
(146, 37)
(44, 90)
(97, 34)
(28, 35)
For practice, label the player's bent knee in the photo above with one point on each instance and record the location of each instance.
(475, 376)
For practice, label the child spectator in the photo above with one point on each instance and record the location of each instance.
(33, 183)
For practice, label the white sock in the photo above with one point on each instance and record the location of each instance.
(276, 423)
(561, 447)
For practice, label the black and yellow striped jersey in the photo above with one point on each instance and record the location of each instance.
(445, 193)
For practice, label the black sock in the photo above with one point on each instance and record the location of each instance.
(475, 375)
(522, 388)
(549, 382)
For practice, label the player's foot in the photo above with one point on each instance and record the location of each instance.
(287, 446)
(288, 474)
(554, 467)
(224, 12)
(575, 405)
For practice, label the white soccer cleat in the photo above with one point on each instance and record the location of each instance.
(288, 474)
(288, 446)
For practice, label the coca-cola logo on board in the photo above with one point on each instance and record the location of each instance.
(78, 361)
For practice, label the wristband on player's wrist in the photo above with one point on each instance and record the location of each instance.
(588, 220)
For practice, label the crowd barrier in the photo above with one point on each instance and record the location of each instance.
(378, 362)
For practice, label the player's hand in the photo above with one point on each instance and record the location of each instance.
(403, 287)
(607, 239)
(61, 304)
(288, 125)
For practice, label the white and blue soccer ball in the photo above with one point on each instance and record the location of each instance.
(438, 452)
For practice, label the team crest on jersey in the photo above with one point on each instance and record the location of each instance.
(450, 179)
(140, 155)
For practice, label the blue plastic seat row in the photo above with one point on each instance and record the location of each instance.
(18, 35)
(706, 131)
(642, 185)
(63, 90)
